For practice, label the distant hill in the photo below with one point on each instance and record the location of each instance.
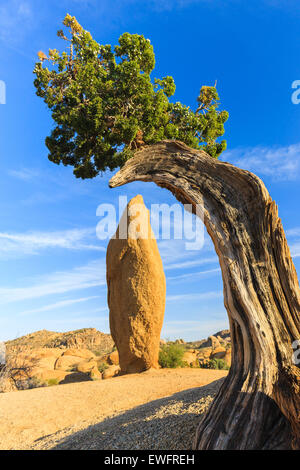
(88, 338)
(223, 337)
(94, 340)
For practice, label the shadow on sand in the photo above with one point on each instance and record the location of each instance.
(163, 424)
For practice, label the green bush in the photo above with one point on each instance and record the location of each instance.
(215, 364)
(171, 355)
(97, 352)
(102, 367)
(51, 382)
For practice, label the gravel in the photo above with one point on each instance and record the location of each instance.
(166, 424)
(153, 410)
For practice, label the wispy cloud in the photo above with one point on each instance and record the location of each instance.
(191, 263)
(195, 275)
(295, 249)
(24, 174)
(168, 5)
(279, 163)
(16, 17)
(175, 255)
(293, 232)
(20, 244)
(61, 304)
(293, 236)
(79, 278)
(201, 296)
(94, 322)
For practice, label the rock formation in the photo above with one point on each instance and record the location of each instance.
(136, 290)
(85, 338)
(258, 405)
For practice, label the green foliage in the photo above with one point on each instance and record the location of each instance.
(34, 382)
(102, 367)
(170, 356)
(97, 352)
(52, 382)
(105, 105)
(215, 364)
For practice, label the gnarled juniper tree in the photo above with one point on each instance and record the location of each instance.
(105, 105)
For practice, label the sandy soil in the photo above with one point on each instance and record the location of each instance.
(66, 416)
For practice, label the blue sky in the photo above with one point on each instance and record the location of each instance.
(52, 264)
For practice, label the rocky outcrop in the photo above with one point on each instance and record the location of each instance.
(85, 338)
(113, 358)
(211, 342)
(48, 366)
(136, 290)
(110, 372)
(218, 353)
(223, 335)
(190, 357)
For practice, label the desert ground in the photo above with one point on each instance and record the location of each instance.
(157, 409)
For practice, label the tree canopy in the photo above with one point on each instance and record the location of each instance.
(105, 105)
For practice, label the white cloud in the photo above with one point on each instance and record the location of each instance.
(175, 255)
(279, 163)
(24, 174)
(201, 296)
(295, 250)
(293, 232)
(191, 263)
(16, 17)
(62, 303)
(293, 236)
(189, 276)
(31, 243)
(83, 277)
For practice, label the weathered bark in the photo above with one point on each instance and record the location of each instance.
(258, 405)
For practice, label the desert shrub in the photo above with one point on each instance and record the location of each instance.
(16, 373)
(51, 382)
(215, 364)
(170, 356)
(190, 346)
(97, 352)
(194, 365)
(102, 367)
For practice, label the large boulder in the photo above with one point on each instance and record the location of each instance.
(218, 353)
(90, 367)
(67, 363)
(110, 372)
(211, 342)
(113, 358)
(45, 376)
(136, 290)
(190, 357)
(86, 366)
(95, 374)
(83, 353)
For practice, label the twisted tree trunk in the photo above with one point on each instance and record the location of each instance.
(258, 404)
